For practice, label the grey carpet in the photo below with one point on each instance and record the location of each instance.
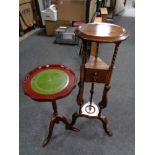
(39, 49)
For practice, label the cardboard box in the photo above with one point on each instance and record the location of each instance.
(75, 10)
(51, 26)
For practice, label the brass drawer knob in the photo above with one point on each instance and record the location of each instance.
(95, 73)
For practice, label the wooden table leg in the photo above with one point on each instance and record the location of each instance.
(57, 119)
(74, 117)
(68, 126)
(51, 126)
(104, 121)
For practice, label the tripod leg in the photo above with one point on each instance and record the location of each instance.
(51, 126)
(68, 126)
(74, 117)
(104, 121)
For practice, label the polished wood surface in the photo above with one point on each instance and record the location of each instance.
(93, 48)
(56, 119)
(96, 70)
(103, 120)
(96, 75)
(97, 63)
(102, 32)
(26, 83)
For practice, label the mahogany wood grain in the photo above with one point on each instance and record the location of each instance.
(96, 64)
(93, 48)
(54, 120)
(96, 70)
(102, 32)
(26, 83)
(103, 119)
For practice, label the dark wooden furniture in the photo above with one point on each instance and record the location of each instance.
(50, 83)
(96, 70)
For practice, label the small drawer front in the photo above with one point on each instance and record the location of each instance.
(96, 75)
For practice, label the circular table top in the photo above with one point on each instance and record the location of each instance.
(102, 32)
(49, 82)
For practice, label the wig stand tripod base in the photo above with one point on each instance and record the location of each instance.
(91, 114)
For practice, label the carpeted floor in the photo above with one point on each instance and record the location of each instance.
(39, 49)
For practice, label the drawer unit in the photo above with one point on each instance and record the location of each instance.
(96, 75)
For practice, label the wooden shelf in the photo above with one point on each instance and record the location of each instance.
(96, 64)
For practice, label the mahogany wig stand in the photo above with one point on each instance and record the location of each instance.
(96, 70)
(50, 83)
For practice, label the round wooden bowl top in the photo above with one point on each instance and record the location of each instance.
(102, 32)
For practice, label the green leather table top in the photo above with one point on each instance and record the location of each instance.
(49, 81)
